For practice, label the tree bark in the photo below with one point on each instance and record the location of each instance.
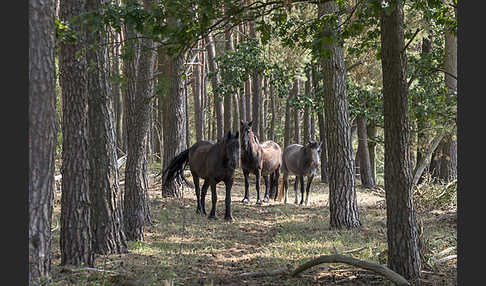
(364, 155)
(296, 112)
(271, 130)
(307, 111)
(402, 235)
(342, 194)
(322, 133)
(76, 236)
(106, 217)
(215, 80)
(137, 108)
(228, 99)
(372, 133)
(197, 96)
(174, 117)
(42, 135)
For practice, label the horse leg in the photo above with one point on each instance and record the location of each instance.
(272, 186)
(275, 178)
(204, 190)
(296, 186)
(309, 181)
(257, 180)
(227, 200)
(265, 197)
(301, 179)
(286, 186)
(195, 179)
(246, 199)
(214, 199)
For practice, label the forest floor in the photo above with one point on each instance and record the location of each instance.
(182, 247)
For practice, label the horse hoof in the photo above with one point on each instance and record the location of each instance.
(212, 217)
(245, 201)
(265, 200)
(229, 218)
(259, 202)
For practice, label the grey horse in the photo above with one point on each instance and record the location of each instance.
(300, 161)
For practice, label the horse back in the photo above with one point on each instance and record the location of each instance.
(198, 157)
(292, 158)
(272, 157)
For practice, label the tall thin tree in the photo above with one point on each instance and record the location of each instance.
(342, 193)
(76, 235)
(402, 235)
(42, 135)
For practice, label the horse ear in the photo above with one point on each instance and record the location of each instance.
(250, 123)
(241, 122)
(237, 134)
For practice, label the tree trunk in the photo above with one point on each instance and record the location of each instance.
(342, 194)
(372, 139)
(42, 135)
(137, 108)
(287, 133)
(106, 216)
(448, 166)
(322, 134)
(76, 236)
(364, 155)
(228, 99)
(197, 96)
(117, 94)
(403, 251)
(297, 134)
(174, 117)
(248, 96)
(307, 111)
(271, 130)
(215, 80)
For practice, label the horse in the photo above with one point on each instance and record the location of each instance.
(213, 162)
(263, 160)
(300, 161)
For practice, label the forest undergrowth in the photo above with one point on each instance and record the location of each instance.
(182, 247)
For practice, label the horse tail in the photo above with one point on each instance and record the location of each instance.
(175, 169)
(281, 190)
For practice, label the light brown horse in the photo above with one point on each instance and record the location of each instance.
(300, 161)
(262, 160)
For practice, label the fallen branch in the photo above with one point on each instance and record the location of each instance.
(444, 259)
(338, 258)
(355, 250)
(446, 188)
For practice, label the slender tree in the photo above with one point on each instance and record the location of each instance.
(342, 194)
(76, 235)
(197, 94)
(364, 155)
(139, 70)
(228, 99)
(42, 136)
(215, 80)
(402, 236)
(106, 216)
(296, 112)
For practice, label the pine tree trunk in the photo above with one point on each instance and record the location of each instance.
(197, 96)
(296, 112)
(402, 236)
(248, 96)
(342, 194)
(42, 135)
(76, 235)
(364, 156)
(106, 216)
(215, 80)
(322, 133)
(228, 99)
(174, 116)
(307, 115)
(287, 133)
(372, 133)
(271, 130)
(136, 210)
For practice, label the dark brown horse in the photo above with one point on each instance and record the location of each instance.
(300, 161)
(263, 160)
(213, 162)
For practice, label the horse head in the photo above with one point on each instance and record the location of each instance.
(231, 146)
(313, 152)
(245, 128)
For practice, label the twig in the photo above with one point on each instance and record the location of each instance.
(445, 189)
(355, 250)
(444, 259)
(411, 39)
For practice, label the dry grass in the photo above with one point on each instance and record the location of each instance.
(184, 248)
